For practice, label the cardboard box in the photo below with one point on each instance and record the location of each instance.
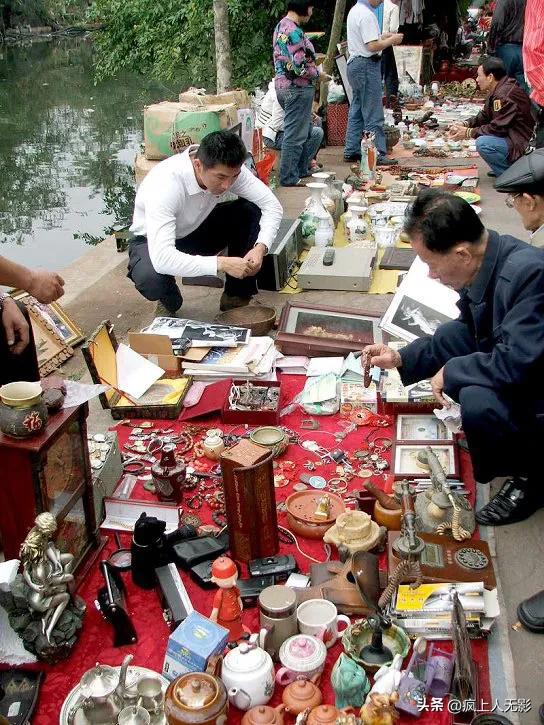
(163, 400)
(142, 167)
(171, 127)
(238, 97)
(192, 644)
(157, 349)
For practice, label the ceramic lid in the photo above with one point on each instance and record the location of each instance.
(303, 653)
(277, 600)
(302, 692)
(263, 714)
(195, 691)
(245, 658)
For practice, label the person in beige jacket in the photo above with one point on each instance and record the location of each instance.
(523, 182)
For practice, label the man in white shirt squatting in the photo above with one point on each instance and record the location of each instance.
(180, 227)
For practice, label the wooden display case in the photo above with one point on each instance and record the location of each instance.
(50, 472)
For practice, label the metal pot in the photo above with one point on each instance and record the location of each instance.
(103, 691)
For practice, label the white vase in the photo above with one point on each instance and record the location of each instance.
(313, 213)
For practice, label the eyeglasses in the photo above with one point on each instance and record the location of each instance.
(510, 199)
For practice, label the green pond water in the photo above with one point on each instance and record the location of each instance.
(67, 149)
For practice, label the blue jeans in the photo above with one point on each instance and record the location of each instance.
(314, 144)
(296, 151)
(512, 57)
(366, 108)
(494, 151)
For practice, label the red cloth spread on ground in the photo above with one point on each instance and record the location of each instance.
(95, 642)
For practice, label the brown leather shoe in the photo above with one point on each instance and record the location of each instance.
(228, 302)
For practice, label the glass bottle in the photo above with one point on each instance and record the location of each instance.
(313, 212)
(169, 475)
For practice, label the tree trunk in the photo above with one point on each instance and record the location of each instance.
(332, 51)
(223, 60)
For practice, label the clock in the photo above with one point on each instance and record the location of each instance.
(50, 472)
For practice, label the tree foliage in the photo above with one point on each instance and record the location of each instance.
(168, 38)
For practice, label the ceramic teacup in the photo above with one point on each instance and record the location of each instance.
(320, 618)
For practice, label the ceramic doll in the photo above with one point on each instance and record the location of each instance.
(227, 603)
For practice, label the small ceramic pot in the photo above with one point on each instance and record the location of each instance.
(22, 409)
(300, 695)
(302, 656)
(196, 698)
(213, 446)
(264, 715)
(324, 715)
(248, 675)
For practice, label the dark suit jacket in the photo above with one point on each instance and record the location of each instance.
(501, 321)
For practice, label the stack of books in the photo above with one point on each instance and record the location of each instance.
(253, 361)
(426, 610)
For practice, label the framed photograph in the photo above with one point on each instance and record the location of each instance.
(407, 464)
(422, 428)
(51, 349)
(55, 316)
(420, 305)
(306, 329)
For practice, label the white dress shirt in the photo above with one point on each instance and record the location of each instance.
(363, 28)
(170, 204)
(391, 17)
(537, 237)
(271, 115)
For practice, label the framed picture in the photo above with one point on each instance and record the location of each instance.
(422, 428)
(420, 305)
(407, 464)
(55, 316)
(51, 349)
(306, 329)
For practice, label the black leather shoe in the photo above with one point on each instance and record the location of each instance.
(531, 613)
(352, 157)
(516, 501)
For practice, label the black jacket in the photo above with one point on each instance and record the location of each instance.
(503, 310)
(507, 23)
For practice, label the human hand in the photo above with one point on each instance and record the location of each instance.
(437, 385)
(45, 286)
(396, 38)
(255, 258)
(235, 266)
(382, 356)
(457, 132)
(15, 326)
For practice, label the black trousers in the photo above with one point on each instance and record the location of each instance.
(233, 224)
(504, 430)
(389, 73)
(23, 366)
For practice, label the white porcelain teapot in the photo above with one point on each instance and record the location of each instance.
(248, 675)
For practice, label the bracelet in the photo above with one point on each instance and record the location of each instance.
(3, 297)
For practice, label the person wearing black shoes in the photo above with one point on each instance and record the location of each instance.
(490, 359)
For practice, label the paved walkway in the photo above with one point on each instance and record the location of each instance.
(97, 289)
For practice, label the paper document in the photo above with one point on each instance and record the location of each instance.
(135, 374)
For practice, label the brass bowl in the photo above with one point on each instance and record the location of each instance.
(270, 437)
(359, 635)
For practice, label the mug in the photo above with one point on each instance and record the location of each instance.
(278, 617)
(320, 618)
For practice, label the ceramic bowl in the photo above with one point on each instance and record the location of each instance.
(360, 634)
(272, 438)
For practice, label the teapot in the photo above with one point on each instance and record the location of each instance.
(264, 715)
(102, 690)
(248, 674)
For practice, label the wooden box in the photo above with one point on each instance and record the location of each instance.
(250, 501)
(163, 400)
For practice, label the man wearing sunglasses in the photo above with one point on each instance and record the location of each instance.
(523, 183)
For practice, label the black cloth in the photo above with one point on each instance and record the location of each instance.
(389, 73)
(507, 23)
(232, 224)
(493, 359)
(23, 366)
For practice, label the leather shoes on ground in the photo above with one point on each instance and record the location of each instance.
(531, 613)
(162, 311)
(516, 501)
(386, 161)
(229, 302)
(352, 157)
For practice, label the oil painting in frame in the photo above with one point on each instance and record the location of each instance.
(51, 349)
(54, 315)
